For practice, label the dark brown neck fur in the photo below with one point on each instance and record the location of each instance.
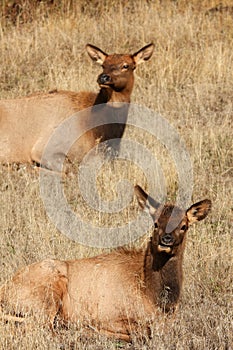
(106, 95)
(108, 113)
(162, 277)
(102, 97)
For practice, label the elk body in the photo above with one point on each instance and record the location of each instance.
(110, 292)
(27, 123)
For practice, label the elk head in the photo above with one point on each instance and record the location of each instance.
(117, 68)
(171, 223)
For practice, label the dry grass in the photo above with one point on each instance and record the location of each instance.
(189, 80)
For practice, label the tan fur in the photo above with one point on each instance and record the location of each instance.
(27, 123)
(112, 293)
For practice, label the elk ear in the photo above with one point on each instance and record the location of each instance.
(143, 54)
(198, 211)
(145, 201)
(96, 54)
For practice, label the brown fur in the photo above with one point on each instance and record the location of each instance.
(114, 292)
(27, 123)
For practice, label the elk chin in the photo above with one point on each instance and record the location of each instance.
(164, 249)
(104, 86)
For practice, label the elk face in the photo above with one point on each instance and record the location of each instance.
(171, 223)
(118, 69)
(169, 229)
(117, 72)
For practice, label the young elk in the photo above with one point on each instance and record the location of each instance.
(27, 123)
(114, 292)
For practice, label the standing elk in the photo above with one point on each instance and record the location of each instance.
(112, 292)
(27, 123)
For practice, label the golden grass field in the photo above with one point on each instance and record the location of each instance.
(189, 81)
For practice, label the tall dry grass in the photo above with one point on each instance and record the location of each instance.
(189, 80)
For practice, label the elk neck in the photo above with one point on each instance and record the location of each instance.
(107, 95)
(163, 276)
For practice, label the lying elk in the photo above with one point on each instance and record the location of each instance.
(27, 123)
(110, 292)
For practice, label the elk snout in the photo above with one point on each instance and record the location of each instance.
(103, 79)
(167, 239)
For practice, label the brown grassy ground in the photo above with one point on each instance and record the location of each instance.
(189, 80)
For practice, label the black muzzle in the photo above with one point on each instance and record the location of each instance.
(103, 79)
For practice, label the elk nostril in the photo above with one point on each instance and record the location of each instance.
(167, 239)
(103, 79)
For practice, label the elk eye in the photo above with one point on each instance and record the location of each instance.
(155, 225)
(183, 228)
(125, 66)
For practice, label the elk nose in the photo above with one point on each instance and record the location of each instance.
(167, 239)
(103, 79)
